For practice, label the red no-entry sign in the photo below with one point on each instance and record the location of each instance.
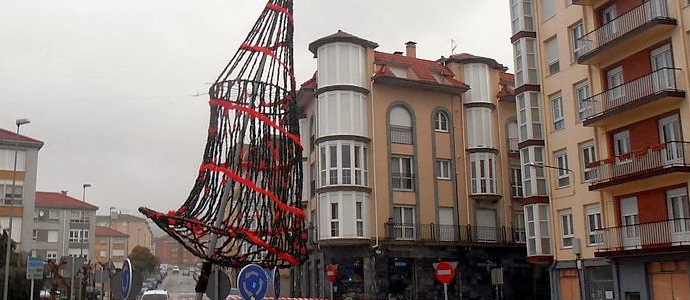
(445, 272)
(331, 273)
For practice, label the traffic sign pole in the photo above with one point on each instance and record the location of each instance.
(32, 289)
(331, 290)
(445, 290)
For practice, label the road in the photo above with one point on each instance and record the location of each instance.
(180, 287)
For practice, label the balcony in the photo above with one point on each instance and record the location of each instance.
(593, 3)
(400, 134)
(460, 234)
(645, 238)
(656, 86)
(645, 22)
(643, 163)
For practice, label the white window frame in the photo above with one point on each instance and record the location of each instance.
(334, 214)
(483, 173)
(615, 83)
(577, 31)
(34, 235)
(74, 236)
(533, 176)
(7, 160)
(537, 229)
(529, 116)
(593, 224)
(585, 107)
(400, 126)
(333, 156)
(53, 215)
(51, 254)
(522, 18)
(405, 181)
(516, 182)
(441, 121)
(567, 229)
(443, 169)
(359, 219)
(6, 194)
(562, 169)
(405, 229)
(553, 64)
(519, 231)
(588, 154)
(557, 111)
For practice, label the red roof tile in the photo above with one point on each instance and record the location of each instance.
(105, 231)
(422, 68)
(60, 200)
(7, 136)
(507, 78)
(311, 83)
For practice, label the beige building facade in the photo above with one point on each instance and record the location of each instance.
(408, 162)
(136, 228)
(602, 85)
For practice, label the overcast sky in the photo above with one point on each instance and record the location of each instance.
(109, 85)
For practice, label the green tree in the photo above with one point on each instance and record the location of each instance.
(143, 260)
(19, 286)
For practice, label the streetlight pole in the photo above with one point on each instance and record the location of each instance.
(19, 123)
(83, 200)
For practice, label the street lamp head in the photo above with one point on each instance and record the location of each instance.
(22, 122)
(86, 185)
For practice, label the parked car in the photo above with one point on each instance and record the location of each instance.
(155, 295)
(176, 270)
(185, 272)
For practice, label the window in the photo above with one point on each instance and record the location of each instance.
(53, 215)
(102, 253)
(343, 163)
(516, 182)
(312, 134)
(335, 224)
(52, 236)
(621, 145)
(614, 80)
(341, 113)
(562, 170)
(34, 236)
(341, 64)
(537, 229)
(120, 253)
(576, 32)
(567, 228)
(443, 169)
(74, 235)
(588, 155)
(524, 51)
(482, 169)
(593, 223)
(6, 194)
(359, 219)
(312, 176)
(552, 55)
(480, 127)
(403, 219)
(519, 227)
(51, 254)
(78, 216)
(103, 240)
(548, 9)
(585, 106)
(7, 159)
(84, 236)
(400, 126)
(557, 111)
(401, 172)
(533, 177)
(529, 116)
(441, 122)
(521, 15)
(118, 240)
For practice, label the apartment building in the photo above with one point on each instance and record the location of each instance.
(171, 252)
(111, 245)
(409, 162)
(25, 185)
(601, 98)
(135, 227)
(63, 226)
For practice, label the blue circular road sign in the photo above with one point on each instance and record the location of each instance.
(252, 282)
(126, 278)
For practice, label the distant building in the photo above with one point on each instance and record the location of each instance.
(63, 226)
(137, 228)
(25, 191)
(111, 245)
(170, 251)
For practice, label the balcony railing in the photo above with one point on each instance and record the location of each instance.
(400, 134)
(513, 145)
(453, 233)
(637, 17)
(641, 161)
(667, 233)
(662, 80)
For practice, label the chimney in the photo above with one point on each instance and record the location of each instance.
(63, 192)
(411, 49)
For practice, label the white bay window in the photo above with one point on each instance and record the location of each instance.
(343, 163)
(533, 175)
(479, 128)
(341, 113)
(344, 214)
(483, 170)
(537, 229)
(341, 64)
(529, 116)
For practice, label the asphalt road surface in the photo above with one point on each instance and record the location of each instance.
(180, 287)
